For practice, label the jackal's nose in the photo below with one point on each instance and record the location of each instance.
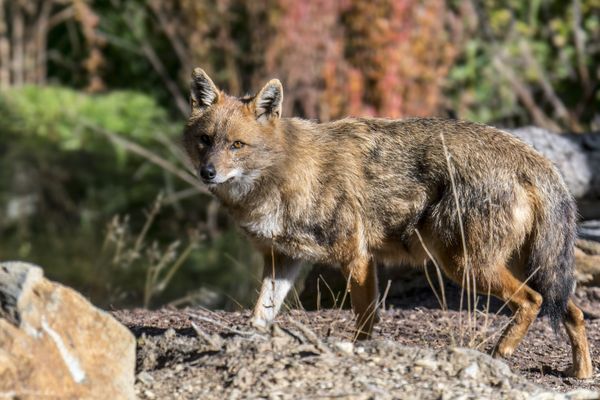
(208, 172)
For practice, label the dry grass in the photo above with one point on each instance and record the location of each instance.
(160, 263)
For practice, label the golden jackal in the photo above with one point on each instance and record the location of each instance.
(361, 190)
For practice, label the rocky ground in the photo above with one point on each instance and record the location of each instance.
(416, 353)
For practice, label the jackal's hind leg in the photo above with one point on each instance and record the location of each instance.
(279, 274)
(361, 276)
(523, 301)
(525, 304)
(575, 326)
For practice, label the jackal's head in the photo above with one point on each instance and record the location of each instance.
(232, 141)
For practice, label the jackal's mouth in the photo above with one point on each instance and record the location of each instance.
(211, 183)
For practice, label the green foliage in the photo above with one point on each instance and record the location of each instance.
(65, 183)
(71, 165)
(58, 114)
(542, 50)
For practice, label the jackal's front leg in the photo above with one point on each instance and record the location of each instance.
(361, 276)
(279, 274)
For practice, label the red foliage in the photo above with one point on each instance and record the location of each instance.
(381, 57)
(404, 53)
(335, 58)
(307, 38)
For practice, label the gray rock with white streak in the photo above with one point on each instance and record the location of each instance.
(55, 344)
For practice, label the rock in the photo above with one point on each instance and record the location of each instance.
(145, 377)
(345, 347)
(55, 344)
(577, 156)
(427, 363)
(590, 231)
(582, 394)
(470, 372)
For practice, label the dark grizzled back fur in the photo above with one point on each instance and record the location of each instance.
(487, 166)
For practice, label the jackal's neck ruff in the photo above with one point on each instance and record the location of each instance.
(271, 204)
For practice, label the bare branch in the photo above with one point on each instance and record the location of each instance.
(168, 28)
(42, 28)
(61, 16)
(18, 48)
(559, 107)
(150, 156)
(161, 70)
(580, 47)
(525, 95)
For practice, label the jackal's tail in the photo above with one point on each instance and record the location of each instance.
(550, 264)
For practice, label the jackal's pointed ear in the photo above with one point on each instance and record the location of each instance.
(267, 103)
(204, 92)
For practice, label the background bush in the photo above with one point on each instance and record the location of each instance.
(62, 183)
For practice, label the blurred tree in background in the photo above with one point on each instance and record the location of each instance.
(94, 94)
(530, 63)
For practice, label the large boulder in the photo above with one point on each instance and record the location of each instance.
(577, 156)
(55, 344)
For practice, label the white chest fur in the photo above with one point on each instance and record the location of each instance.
(264, 221)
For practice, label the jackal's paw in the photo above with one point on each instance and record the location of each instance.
(376, 318)
(583, 372)
(502, 351)
(260, 323)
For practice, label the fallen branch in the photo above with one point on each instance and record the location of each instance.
(150, 156)
(206, 337)
(249, 334)
(310, 336)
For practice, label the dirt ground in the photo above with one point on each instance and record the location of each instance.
(412, 319)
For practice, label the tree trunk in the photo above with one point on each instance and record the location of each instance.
(41, 36)
(4, 49)
(18, 33)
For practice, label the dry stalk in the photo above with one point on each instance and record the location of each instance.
(310, 336)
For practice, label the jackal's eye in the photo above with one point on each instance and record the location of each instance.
(205, 139)
(237, 145)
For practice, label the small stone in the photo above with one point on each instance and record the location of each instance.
(427, 363)
(582, 394)
(170, 333)
(471, 372)
(145, 378)
(345, 347)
